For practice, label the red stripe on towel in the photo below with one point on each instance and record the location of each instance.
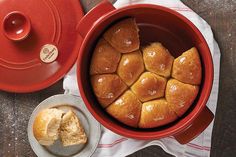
(125, 139)
(195, 145)
(112, 144)
(198, 147)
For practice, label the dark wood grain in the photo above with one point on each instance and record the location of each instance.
(15, 109)
(221, 16)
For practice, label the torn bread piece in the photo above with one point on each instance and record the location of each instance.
(46, 126)
(71, 130)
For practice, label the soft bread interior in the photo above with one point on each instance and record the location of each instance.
(71, 130)
(53, 127)
(52, 124)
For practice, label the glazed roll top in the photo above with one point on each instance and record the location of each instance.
(107, 88)
(126, 109)
(156, 113)
(131, 66)
(187, 67)
(157, 59)
(180, 95)
(105, 58)
(123, 36)
(149, 86)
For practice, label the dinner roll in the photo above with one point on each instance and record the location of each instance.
(126, 109)
(157, 59)
(149, 86)
(123, 35)
(107, 88)
(156, 113)
(187, 67)
(131, 82)
(71, 130)
(46, 126)
(105, 58)
(180, 95)
(130, 67)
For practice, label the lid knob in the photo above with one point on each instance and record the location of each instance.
(16, 26)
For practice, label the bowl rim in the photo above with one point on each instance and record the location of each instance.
(186, 121)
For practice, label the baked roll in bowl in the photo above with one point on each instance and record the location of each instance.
(123, 36)
(126, 109)
(156, 113)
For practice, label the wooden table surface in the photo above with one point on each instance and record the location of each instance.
(15, 109)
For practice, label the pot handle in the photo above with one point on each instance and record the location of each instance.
(93, 15)
(197, 127)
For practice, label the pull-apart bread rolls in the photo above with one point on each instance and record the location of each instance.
(180, 95)
(149, 86)
(107, 88)
(158, 59)
(156, 113)
(105, 58)
(187, 67)
(126, 109)
(131, 83)
(123, 36)
(130, 67)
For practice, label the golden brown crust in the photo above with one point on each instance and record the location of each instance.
(107, 88)
(123, 36)
(146, 74)
(105, 58)
(157, 59)
(40, 125)
(126, 109)
(156, 113)
(187, 67)
(180, 95)
(130, 67)
(149, 86)
(46, 124)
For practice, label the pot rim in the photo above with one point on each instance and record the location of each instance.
(186, 121)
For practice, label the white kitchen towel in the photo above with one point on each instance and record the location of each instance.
(113, 145)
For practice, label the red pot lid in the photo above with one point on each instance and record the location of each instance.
(39, 42)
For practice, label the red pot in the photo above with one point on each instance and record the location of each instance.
(156, 23)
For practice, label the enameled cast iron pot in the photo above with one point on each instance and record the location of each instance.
(156, 23)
